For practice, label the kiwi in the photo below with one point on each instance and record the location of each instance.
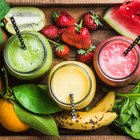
(27, 19)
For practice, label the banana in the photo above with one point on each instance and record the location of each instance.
(105, 104)
(84, 120)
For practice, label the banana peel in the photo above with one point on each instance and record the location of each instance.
(85, 120)
(94, 118)
(105, 104)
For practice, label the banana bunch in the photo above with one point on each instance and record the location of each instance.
(94, 118)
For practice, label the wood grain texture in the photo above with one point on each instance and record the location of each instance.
(66, 138)
(66, 2)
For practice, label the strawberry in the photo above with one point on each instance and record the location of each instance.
(63, 19)
(50, 32)
(91, 21)
(77, 36)
(62, 51)
(85, 56)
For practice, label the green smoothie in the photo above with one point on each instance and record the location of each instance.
(31, 62)
(26, 60)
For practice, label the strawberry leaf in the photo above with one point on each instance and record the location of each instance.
(79, 26)
(96, 18)
(60, 47)
(82, 51)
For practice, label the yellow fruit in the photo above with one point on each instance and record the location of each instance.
(85, 120)
(105, 104)
(9, 119)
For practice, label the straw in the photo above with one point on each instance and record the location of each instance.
(73, 113)
(18, 33)
(132, 46)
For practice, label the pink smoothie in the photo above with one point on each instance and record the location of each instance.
(112, 61)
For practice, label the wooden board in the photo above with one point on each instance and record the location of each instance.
(49, 6)
(66, 2)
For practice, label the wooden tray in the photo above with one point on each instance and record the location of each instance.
(76, 8)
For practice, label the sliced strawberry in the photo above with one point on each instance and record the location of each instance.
(85, 56)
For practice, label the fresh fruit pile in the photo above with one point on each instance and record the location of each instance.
(67, 31)
(26, 106)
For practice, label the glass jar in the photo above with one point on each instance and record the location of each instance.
(32, 62)
(72, 77)
(112, 66)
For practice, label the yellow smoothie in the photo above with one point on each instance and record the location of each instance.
(72, 77)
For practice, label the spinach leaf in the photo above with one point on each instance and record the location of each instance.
(136, 89)
(128, 109)
(34, 99)
(42, 123)
(126, 113)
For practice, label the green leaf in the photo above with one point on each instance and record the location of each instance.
(135, 124)
(129, 112)
(126, 113)
(45, 88)
(135, 135)
(128, 130)
(34, 99)
(42, 123)
(4, 8)
(136, 89)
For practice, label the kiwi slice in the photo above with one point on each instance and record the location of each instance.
(27, 19)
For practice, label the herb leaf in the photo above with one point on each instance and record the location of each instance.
(34, 99)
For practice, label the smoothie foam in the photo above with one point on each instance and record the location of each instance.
(29, 59)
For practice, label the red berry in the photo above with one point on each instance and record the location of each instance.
(86, 56)
(62, 51)
(77, 36)
(50, 32)
(91, 21)
(63, 19)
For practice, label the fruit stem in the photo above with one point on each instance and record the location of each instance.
(127, 95)
(53, 42)
(79, 26)
(8, 90)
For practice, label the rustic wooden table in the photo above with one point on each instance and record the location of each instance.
(76, 8)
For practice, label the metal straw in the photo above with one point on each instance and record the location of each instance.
(73, 113)
(18, 33)
(131, 46)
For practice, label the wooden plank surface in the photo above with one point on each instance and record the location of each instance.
(66, 138)
(104, 133)
(66, 2)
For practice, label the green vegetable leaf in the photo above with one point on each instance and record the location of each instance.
(136, 89)
(42, 123)
(128, 109)
(34, 99)
(126, 113)
(135, 124)
(135, 135)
